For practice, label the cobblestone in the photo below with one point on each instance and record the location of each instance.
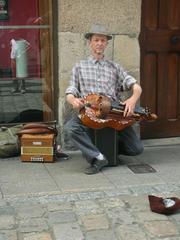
(161, 228)
(68, 231)
(8, 235)
(101, 235)
(94, 222)
(149, 216)
(7, 222)
(112, 202)
(7, 210)
(37, 236)
(130, 232)
(24, 212)
(51, 207)
(61, 217)
(32, 225)
(87, 207)
(119, 217)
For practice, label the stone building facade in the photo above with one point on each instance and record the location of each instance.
(75, 18)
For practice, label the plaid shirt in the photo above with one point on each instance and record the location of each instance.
(99, 76)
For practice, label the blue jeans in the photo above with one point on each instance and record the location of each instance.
(129, 143)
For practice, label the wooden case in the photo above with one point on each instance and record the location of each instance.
(37, 148)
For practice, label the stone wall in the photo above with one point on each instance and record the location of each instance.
(122, 20)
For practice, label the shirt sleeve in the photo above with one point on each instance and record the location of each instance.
(73, 87)
(126, 80)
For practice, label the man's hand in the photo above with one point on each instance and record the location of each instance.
(130, 104)
(77, 103)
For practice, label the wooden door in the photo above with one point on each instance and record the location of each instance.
(160, 66)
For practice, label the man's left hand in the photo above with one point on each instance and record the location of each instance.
(130, 104)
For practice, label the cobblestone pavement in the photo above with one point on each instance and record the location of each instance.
(83, 212)
(102, 215)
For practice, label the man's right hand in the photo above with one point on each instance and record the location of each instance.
(77, 103)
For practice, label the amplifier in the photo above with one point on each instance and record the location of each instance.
(37, 147)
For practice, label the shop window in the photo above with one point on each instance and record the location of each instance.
(26, 62)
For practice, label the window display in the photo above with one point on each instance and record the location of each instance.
(26, 77)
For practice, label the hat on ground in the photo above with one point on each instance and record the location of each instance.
(98, 29)
(164, 205)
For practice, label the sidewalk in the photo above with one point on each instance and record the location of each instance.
(57, 201)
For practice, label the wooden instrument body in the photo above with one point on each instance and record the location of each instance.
(98, 113)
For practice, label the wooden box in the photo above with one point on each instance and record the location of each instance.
(37, 147)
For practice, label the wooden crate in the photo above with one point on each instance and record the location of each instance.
(37, 148)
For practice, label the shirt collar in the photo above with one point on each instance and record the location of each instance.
(95, 61)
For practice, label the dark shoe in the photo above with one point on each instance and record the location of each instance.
(96, 166)
(59, 153)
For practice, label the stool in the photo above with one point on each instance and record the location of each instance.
(106, 140)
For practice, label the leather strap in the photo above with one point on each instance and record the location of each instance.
(37, 128)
